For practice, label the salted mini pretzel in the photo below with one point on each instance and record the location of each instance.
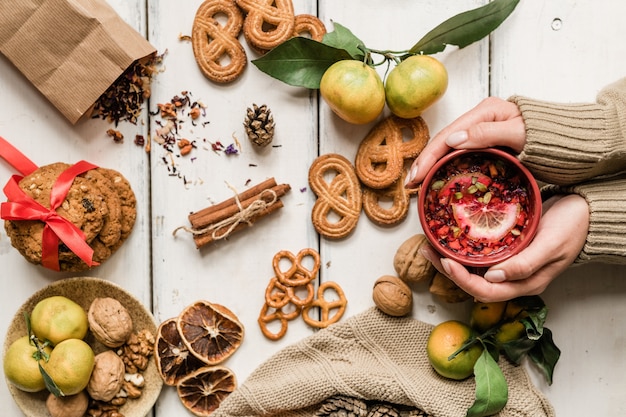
(311, 25)
(211, 41)
(375, 203)
(276, 295)
(297, 274)
(381, 154)
(260, 14)
(341, 195)
(266, 317)
(330, 311)
(301, 301)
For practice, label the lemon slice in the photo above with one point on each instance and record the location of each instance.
(489, 222)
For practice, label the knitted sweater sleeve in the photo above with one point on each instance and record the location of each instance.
(606, 239)
(581, 149)
(570, 143)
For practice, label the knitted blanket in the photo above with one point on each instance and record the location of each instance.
(371, 356)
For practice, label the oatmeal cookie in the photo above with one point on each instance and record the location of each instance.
(103, 250)
(84, 206)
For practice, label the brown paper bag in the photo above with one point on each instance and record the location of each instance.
(71, 50)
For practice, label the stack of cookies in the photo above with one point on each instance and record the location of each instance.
(100, 202)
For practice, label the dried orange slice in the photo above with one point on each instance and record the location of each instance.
(210, 331)
(173, 359)
(202, 391)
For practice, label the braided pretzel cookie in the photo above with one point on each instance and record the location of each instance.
(380, 157)
(341, 196)
(381, 214)
(211, 41)
(307, 23)
(261, 14)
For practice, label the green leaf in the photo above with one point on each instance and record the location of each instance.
(492, 392)
(342, 38)
(465, 28)
(534, 323)
(28, 325)
(50, 384)
(300, 61)
(545, 354)
(516, 349)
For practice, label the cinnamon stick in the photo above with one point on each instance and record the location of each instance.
(197, 217)
(223, 211)
(207, 238)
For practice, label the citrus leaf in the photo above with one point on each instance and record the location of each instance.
(492, 391)
(534, 323)
(515, 350)
(465, 28)
(50, 384)
(545, 354)
(300, 61)
(342, 38)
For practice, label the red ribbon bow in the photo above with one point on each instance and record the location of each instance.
(22, 207)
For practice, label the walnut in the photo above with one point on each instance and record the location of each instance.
(136, 351)
(70, 406)
(392, 296)
(447, 290)
(109, 321)
(133, 385)
(102, 409)
(409, 264)
(107, 376)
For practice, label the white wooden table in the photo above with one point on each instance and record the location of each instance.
(561, 50)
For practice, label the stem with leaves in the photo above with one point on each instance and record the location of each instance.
(42, 355)
(302, 62)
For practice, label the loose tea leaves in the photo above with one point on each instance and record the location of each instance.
(123, 100)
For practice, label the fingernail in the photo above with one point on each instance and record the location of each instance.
(495, 275)
(457, 138)
(412, 174)
(445, 263)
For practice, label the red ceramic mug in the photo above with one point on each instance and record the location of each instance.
(479, 207)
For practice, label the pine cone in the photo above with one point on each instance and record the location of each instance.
(341, 406)
(414, 412)
(259, 125)
(383, 410)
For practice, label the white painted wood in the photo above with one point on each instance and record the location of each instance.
(528, 56)
(566, 51)
(33, 125)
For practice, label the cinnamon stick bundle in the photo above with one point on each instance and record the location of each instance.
(234, 214)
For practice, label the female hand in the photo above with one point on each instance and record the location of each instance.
(493, 122)
(529, 272)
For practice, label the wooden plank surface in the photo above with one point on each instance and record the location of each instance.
(561, 51)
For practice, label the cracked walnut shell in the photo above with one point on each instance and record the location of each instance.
(109, 321)
(392, 296)
(107, 376)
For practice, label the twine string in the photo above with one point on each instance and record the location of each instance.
(224, 228)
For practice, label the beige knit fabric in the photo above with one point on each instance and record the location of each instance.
(570, 143)
(371, 356)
